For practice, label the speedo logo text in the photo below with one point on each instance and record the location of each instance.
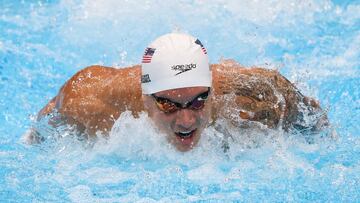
(183, 68)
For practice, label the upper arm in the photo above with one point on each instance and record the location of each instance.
(82, 98)
(254, 97)
(66, 106)
(301, 113)
(96, 96)
(265, 96)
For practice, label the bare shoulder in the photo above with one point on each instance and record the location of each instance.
(99, 93)
(96, 82)
(101, 75)
(258, 83)
(263, 95)
(229, 74)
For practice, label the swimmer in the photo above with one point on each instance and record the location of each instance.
(182, 94)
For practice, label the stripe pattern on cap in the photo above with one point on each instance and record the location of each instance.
(202, 46)
(149, 52)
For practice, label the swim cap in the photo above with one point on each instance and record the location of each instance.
(174, 61)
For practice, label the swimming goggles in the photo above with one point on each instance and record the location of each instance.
(168, 106)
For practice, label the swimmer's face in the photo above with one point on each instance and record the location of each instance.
(182, 114)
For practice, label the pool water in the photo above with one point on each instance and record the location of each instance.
(314, 43)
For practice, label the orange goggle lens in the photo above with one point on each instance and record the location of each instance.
(169, 106)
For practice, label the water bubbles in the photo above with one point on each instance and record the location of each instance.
(314, 42)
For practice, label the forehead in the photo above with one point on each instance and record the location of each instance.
(182, 94)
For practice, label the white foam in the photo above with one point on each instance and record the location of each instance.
(207, 173)
(3, 153)
(265, 12)
(260, 12)
(350, 16)
(131, 136)
(98, 175)
(80, 193)
(136, 152)
(137, 137)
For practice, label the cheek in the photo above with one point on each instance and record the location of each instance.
(203, 119)
(204, 115)
(163, 121)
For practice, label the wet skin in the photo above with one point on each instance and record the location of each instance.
(96, 96)
(184, 120)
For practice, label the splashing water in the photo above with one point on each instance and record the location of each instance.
(313, 43)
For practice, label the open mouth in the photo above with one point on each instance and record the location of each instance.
(186, 139)
(185, 134)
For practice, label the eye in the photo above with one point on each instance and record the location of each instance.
(203, 96)
(198, 104)
(165, 105)
(168, 107)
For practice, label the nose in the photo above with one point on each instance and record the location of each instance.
(186, 119)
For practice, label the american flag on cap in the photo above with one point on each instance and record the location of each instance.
(149, 52)
(202, 46)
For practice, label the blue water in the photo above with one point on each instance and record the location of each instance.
(313, 43)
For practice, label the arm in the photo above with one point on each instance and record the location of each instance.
(93, 99)
(32, 136)
(302, 113)
(264, 96)
(48, 115)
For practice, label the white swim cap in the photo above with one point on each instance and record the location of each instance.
(174, 61)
